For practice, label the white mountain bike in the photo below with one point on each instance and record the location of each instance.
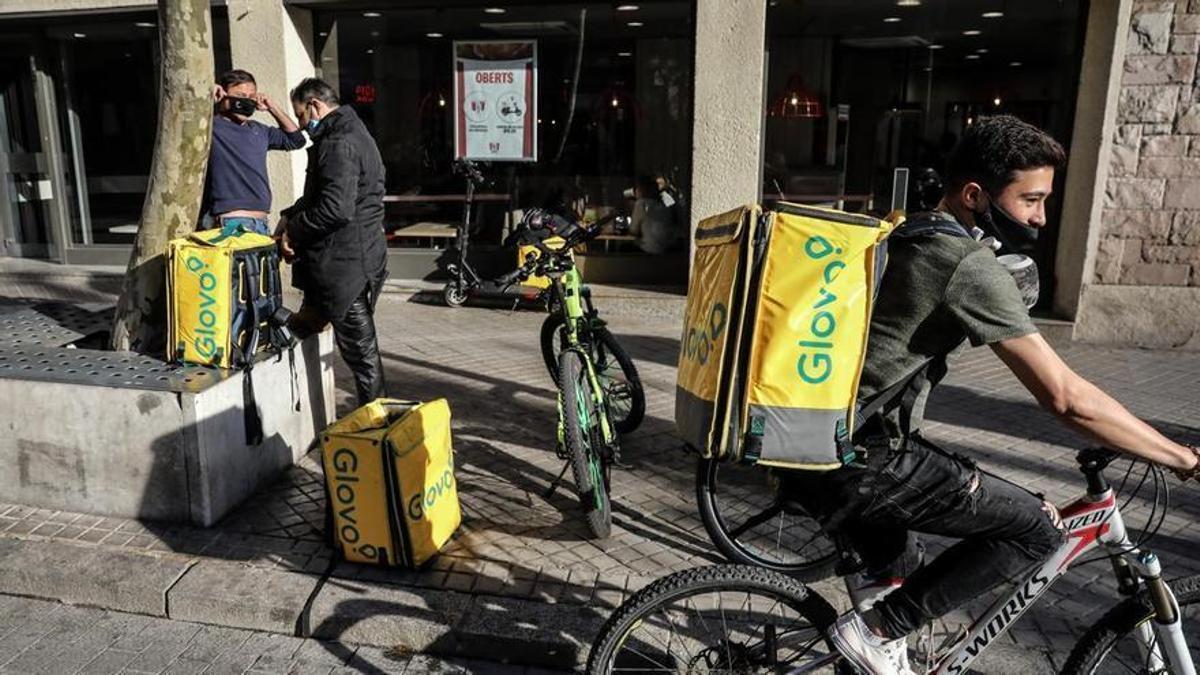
(744, 619)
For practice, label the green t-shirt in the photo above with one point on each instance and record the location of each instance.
(938, 290)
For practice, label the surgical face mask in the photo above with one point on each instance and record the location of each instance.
(242, 106)
(312, 125)
(1013, 235)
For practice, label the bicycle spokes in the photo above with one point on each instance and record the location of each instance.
(583, 406)
(762, 523)
(723, 632)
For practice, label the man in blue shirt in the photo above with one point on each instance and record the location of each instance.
(237, 190)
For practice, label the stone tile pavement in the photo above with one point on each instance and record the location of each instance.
(46, 638)
(516, 542)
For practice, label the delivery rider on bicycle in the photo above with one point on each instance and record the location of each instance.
(940, 290)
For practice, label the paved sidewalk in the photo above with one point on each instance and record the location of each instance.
(39, 637)
(524, 557)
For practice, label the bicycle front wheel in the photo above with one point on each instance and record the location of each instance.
(623, 391)
(1118, 644)
(751, 524)
(583, 438)
(721, 619)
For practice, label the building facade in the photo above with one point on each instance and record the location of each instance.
(724, 103)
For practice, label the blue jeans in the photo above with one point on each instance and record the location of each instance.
(257, 225)
(1001, 527)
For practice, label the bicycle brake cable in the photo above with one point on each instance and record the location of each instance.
(1150, 468)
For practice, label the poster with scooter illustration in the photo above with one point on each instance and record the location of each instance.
(495, 100)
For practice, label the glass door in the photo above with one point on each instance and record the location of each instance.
(25, 188)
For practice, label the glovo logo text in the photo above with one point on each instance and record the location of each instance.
(814, 364)
(206, 321)
(698, 341)
(345, 478)
(421, 503)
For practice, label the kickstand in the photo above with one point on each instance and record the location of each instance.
(557, 481)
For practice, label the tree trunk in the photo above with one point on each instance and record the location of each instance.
(176, 184)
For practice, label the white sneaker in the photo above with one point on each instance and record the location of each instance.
(866, 651)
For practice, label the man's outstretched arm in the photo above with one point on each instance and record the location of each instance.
(1083, 407)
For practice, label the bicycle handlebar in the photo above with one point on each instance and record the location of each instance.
(572, 234)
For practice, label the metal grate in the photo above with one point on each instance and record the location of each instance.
(52, 324)
(33, 346)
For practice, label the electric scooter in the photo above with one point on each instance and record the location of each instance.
(464, 280)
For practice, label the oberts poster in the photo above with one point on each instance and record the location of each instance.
(495, 100)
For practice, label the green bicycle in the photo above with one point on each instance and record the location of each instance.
(599, 392)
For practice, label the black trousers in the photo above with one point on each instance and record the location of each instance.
(1001, 527)
(356, 340)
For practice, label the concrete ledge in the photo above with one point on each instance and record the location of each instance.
(231, 594)
(1140, 316)
(225, 593)
(1056, 331)
(142, 452)
(82, 575)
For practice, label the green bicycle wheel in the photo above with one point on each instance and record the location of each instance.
(622, 385)
(581, 434)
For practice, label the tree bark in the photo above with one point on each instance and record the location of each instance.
(176, 183)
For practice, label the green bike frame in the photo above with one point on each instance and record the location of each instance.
(569, 286)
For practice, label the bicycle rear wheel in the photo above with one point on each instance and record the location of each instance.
(1112, 645)
(583, 438)
(721, 619)
(750, 523)
(623, 391)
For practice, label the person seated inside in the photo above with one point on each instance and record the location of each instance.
(651, 222)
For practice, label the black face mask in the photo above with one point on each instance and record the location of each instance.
(1013, 235)
(242, 106)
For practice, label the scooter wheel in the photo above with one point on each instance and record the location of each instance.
(454, 295)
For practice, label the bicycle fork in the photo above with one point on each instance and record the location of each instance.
(1167, 628)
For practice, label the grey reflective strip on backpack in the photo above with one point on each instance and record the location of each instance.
(800, 437)
(693, 419)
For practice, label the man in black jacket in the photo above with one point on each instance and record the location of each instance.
(334, 233)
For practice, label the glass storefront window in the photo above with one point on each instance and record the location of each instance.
(24, 188)
(108, 131)
(627, 114)
(857, 90)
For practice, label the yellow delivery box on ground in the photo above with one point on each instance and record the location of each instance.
(389, 478)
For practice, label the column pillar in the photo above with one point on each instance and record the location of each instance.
(729, 105)
(275, 43)
(1091, 147)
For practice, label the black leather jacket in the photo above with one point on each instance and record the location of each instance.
(337, 225)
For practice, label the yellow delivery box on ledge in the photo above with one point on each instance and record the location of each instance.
(223, 289)
(389, 478)
(775, 331)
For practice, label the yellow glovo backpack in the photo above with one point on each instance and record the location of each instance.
(389, 478)
(224, 292)
(775, 332)
(225, 306)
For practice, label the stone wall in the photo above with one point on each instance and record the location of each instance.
(1150, 228)
(1144, 289)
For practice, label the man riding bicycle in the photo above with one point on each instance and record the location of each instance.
(939, 290)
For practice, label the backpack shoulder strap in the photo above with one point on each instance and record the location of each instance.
(881, 399)
(933, 222)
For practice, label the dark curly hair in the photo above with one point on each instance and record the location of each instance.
(235, 77)
(994, 148)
